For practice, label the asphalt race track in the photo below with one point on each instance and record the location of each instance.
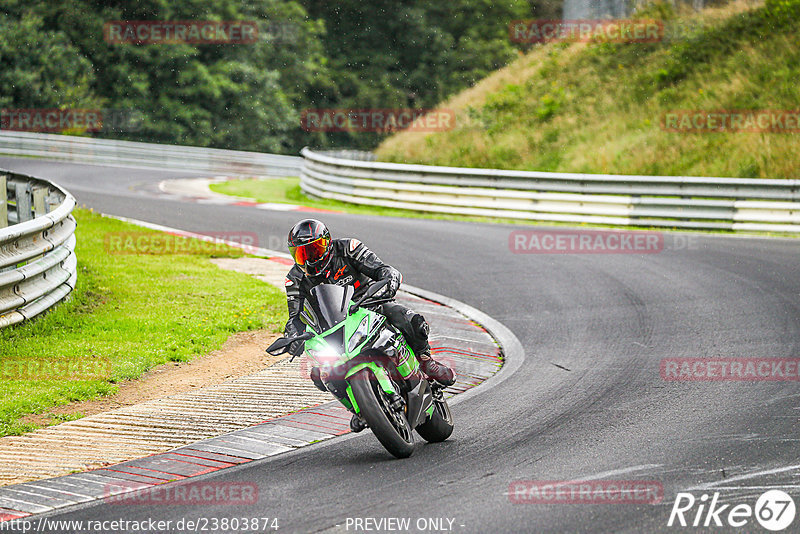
(588, 402)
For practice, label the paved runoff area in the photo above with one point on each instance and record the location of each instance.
(139, 448)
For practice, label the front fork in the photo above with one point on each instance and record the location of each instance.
(380, 374)
(418, 402)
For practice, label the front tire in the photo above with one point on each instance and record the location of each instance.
(390, 427)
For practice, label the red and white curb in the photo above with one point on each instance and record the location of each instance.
(198, 190)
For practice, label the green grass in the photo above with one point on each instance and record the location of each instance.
(598, 107)
(137, 311)
(281, 190)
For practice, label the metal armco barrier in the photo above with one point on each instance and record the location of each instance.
(146, 155)
(737, 204)
(38, 268)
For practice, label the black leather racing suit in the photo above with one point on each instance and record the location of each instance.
(352, 263)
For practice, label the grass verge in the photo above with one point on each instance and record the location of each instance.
(136, 310)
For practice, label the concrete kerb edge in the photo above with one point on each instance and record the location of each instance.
(510, 346)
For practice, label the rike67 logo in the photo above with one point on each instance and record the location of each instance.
(774, 510)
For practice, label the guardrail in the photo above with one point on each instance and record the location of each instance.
(38, 268)
(736, 204)
(147, 155)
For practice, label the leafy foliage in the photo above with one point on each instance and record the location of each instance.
(310, 54)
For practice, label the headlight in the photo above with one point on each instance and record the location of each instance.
(324, 355)
(359, 335)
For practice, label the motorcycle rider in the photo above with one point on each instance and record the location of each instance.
(321, 260)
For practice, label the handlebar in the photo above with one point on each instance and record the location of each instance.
(368, 294)
(281, 345)
(370, 302)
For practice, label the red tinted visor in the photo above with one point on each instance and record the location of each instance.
(310, 252)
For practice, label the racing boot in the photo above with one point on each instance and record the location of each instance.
(435, 370)
(357, 424)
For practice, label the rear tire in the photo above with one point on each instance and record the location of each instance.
(439, 425)
(382, 420)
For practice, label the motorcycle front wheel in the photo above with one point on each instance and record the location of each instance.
(389, 425)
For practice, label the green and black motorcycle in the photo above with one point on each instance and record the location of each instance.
(369, 366)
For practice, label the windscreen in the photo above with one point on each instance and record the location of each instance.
(331, 304)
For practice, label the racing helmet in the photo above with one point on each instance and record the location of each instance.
(310, 246)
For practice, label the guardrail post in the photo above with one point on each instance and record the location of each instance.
(23, 197)
(39, 203)
(3, 202)
(52, 201)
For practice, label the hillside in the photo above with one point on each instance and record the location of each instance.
(598, 107)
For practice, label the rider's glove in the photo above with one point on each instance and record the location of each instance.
(395, 278)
